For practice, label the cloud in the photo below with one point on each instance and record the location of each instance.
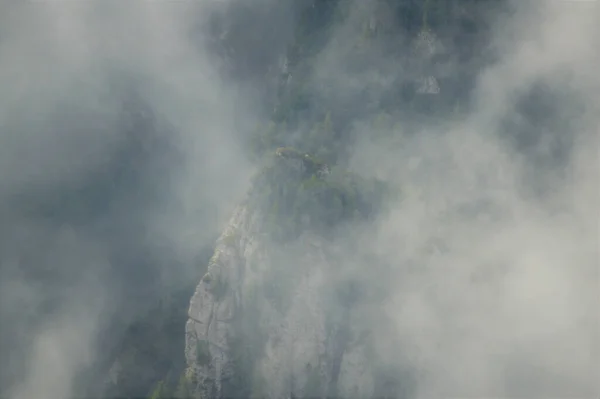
(489, 261)
(494, 287)
(482, 279)
(119, 155)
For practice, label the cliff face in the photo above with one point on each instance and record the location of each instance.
(301, 350)
(270, 317)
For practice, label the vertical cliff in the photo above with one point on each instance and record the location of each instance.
(281, 311)
(273, 315)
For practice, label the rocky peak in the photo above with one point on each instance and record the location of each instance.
(261, 321)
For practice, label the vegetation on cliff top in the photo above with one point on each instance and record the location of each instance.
(297, 197)
(303, 185)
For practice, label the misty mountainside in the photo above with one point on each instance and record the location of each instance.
(299, 199)
(275, 315)
(309, 130)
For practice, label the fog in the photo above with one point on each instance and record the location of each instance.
(120, 160)
(489, 259)
(494, 245)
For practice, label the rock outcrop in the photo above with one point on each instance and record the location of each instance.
(271, 318)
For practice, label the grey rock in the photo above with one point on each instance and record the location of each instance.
(300, 342)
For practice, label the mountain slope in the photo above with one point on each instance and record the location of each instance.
(273, 315)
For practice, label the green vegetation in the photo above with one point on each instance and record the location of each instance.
(184, 388)
(316, 130)
(160, 392)
(296, 202)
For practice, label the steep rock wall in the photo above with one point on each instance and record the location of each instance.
(302, 345)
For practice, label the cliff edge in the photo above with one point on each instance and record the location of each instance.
(274, 316)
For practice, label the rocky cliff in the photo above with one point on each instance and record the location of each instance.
(275, 315)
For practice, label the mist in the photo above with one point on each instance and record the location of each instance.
(494, 244)
(123, 135)
(120, 161)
